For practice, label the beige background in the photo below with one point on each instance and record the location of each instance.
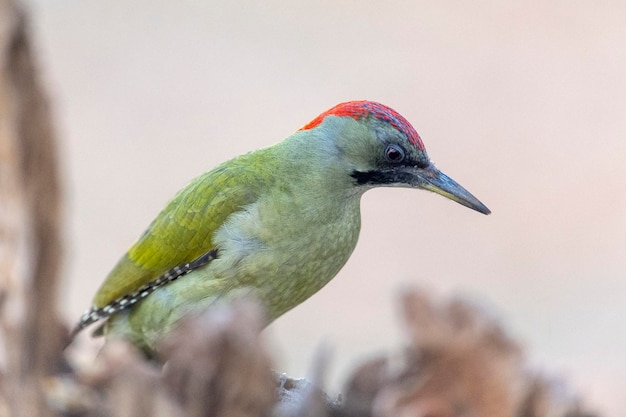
(524, 103)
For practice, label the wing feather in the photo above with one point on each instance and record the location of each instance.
(184, 229)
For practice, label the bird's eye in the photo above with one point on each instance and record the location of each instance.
(394, 153)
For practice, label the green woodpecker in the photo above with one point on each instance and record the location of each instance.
(282, 220)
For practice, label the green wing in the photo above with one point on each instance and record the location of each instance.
(184, 229)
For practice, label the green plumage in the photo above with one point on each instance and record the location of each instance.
(282, 228)
(283, 220)
(184, 228)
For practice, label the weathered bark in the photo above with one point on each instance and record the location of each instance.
(30, 251)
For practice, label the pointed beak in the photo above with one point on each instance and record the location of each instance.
(430, 178)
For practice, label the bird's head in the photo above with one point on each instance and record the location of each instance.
(379, 147)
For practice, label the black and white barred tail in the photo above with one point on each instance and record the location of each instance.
(95, 314)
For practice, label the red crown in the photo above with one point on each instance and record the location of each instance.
(362, 109)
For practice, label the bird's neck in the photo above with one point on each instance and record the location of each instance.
(314, 165)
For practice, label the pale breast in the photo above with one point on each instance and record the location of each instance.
(287, 255)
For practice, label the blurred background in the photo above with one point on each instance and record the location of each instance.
(523, 103)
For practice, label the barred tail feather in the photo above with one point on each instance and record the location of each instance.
(95, 314)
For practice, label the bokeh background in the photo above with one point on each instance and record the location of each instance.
(524, 103)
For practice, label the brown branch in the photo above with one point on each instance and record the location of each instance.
(30, 221)
(40, 182)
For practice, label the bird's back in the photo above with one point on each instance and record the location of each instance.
(280, 229)
(184, 229)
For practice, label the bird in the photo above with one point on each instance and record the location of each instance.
(281, 221)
